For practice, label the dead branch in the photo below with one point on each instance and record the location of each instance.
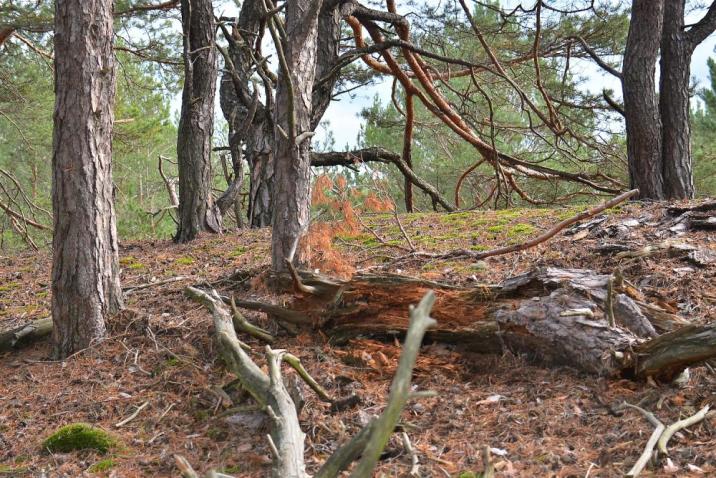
(347, 453)
(280, 313)
(243, 325)
(420, 321)
(296, 364)
(25, 334)
(133, 288)
(185, 467)
(648, 449)
(679, 425)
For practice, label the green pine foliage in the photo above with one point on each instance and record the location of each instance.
(703, 140)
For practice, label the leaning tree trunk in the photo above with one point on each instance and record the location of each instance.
(85, 266)
(197, 211)
(676, 50)
(641, 111)
(292, 133)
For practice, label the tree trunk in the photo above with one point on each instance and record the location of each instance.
(643, 124)
(237, 96)
(329, 36)
(197, 211)
(675, 73)
(85, 266)
(292, 190)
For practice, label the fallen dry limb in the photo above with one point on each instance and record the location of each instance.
(25, 334)
(286, 439)
(420, 321)
(660, 436)
(556, 316)
(269, 390)
(648, 450)
(240, 323)
(680, 425)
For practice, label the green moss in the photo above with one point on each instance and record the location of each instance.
(467, 474)
(184, 261)
(102, 465)
(232, 470)
(172, 362)
(496, 229)
(79, 436)
(570, 211)
(479, 248)
(131, 262)
(520, 229)
(217, 434)
(239, 251)
(12, 470)
(43, 293)
(457, 217)
(8, 286)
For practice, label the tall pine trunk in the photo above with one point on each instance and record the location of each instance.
(643, 124)
(197, 211)
(85, 267)
(675, 72)
(292, 188)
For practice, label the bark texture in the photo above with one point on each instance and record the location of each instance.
(555, 316)
(85, 266)
(677, 47)
(237, 89)
(292, 190)
(675, 72)
(252, 133)
(643, 123)
(197, 211)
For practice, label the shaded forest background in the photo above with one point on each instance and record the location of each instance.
(149, 78)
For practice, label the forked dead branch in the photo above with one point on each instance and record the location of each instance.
(286, 438)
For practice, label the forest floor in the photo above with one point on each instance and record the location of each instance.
(538, 421)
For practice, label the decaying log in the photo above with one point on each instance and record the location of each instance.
(556, 316)
(696, 217)
(25, 334)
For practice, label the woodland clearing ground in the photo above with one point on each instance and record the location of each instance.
(549, 422)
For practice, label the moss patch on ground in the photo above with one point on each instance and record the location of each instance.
(131, 262)
(102, 465)
(79, 436)
(184, 261)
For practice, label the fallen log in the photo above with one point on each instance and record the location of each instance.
(555, 316)
(25, 334)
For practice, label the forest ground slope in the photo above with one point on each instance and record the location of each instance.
(538, 421)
